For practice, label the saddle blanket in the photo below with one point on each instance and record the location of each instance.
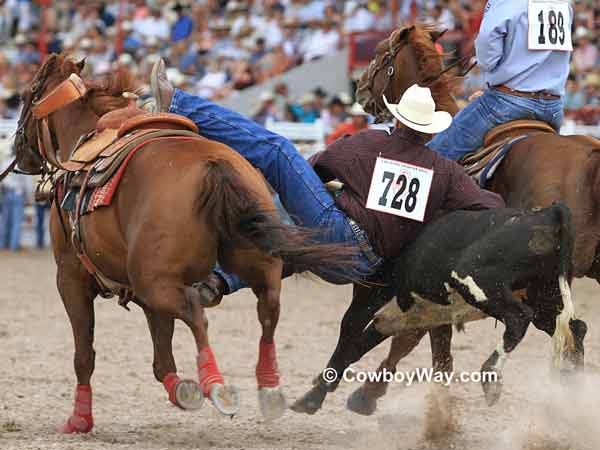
(482, 164)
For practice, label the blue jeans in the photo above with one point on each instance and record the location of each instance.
(300, 189)
(493, 108)
(13, 207)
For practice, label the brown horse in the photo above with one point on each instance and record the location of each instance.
(538, 171)
(181, 205)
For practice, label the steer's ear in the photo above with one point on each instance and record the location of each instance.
(435, 35)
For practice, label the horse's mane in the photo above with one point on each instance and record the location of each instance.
(106, 94)
(103, 95)
(429, 61)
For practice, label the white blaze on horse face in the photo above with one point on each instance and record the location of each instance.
(469, 282)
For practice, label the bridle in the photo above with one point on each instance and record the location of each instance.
(374, 68)
(68, 91)
(387, 59)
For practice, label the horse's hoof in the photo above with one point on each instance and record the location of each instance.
(225, 398)
(360, 403)
(188, 395)
(272, 403)
(76, 424)
(492, 388)
(311, 402)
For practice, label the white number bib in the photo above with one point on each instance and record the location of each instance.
(549, 25)
(400, 188)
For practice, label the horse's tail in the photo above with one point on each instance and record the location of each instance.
(563, 339)
(236, 215)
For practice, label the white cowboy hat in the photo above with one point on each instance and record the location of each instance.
(357, 110)
(416, 110)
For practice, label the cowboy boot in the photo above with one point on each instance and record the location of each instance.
(161, 88)
(209, 292)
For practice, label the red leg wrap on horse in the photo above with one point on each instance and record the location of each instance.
(208, 372)
(267, 373)
(170, 382)
(81, 421)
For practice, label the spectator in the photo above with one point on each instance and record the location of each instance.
(17, 192)
(585, 54)
(574, 96)
(358, 17)
(359, 121)
(183, 26)
(259, 51)
(212, 85)
(266, 109)
(152, 25)
(333, 115)
(324, 41)
(282, 110)
(40, 224)
(305, 111)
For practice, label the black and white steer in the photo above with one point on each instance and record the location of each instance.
(483, 256)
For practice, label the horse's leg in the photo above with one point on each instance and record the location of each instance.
(364, 399)
(271, 400)
(78, 291)
(365, 303)
(173, 298)
(184, 394)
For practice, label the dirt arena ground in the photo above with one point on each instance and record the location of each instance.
(131, 410)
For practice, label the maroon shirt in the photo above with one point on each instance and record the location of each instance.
(351, 160)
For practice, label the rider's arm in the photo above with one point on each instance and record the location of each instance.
(489, 44)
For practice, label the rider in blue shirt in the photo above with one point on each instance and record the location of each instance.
(522, 82)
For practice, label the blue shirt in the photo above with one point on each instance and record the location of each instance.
(182, 28)
(504, 57)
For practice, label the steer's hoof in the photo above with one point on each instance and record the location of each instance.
(188, 395)
(272, 402)
(225, 398)
(311, 402)
(491, 388)
(359, 403)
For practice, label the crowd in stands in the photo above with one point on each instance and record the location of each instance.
(215, 47)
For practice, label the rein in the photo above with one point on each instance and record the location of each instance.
(8, 170)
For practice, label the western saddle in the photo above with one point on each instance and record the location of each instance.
(496, 141)
(97, 156)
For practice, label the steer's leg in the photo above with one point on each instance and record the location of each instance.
(481, 289)
(364, 399)
(545, 298)
(184, 394)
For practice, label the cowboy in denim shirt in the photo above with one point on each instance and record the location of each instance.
(524, 58)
